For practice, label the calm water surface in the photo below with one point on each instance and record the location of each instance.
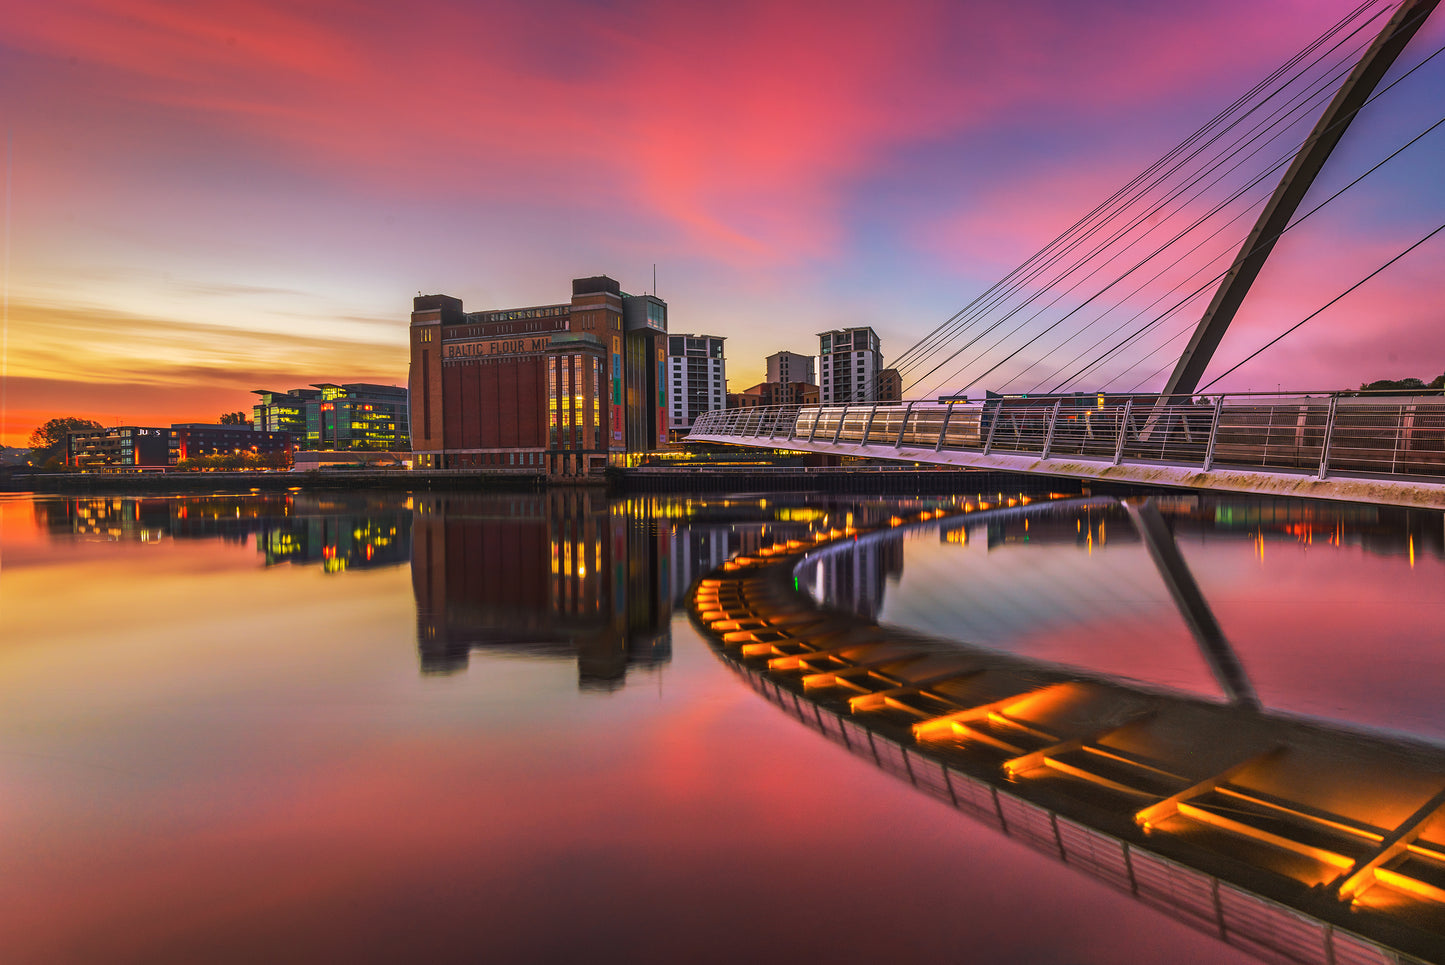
(304, 728)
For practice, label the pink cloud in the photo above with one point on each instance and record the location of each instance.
(741, 128)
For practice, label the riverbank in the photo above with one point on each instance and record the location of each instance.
(178, 483)
(883, 480)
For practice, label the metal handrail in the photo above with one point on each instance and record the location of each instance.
(1323, 434)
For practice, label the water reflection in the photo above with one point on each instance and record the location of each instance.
(339, 532)
(1299, 840)
(558, 574)
(570, 572)
(166, 766)
(566, 574)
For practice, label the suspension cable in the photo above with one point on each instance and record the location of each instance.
(1326, 305)
(926, 344)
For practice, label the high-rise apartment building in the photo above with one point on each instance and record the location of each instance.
(696, 379)
(784, 367)
(851, 361)
(565, 387)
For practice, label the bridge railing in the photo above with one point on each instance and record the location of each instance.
(1319, 433)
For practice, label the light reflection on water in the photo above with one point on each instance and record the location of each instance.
(514, 749)
(1335, 610)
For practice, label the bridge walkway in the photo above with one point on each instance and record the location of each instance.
(1356, 447)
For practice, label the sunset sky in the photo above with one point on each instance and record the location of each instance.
(211, 198)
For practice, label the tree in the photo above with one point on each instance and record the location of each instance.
(234, 419)
(1389, 385)
(47, 443)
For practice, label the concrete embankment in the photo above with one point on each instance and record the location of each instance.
(269, 482)
(851, 479)
(864, 479)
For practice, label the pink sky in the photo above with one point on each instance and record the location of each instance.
(212, 198)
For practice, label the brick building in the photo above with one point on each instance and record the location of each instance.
(774, 393)
(566, 387)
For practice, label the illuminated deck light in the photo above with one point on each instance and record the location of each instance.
(1412, 886)
(1205, 816)
(1367, 871)
(1154, 814)
(908, 688)
(944, 726)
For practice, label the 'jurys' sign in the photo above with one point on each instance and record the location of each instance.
(499, 346)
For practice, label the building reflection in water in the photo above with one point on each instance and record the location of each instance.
(855, 580)
(1380, 530)
(338, 531)
(1003, 605)
(560, 573)
(571, 573)
(567, 574)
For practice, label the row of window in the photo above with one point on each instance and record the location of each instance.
(550, 311)
(567, 425)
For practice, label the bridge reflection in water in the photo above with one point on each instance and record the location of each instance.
(1296, 840)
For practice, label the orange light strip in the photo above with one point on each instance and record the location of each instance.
(973, 734)
(1111, 754)
(1203, 816)
(1039, 758)
(877, 699)
(1093, 778)
(1152, 815)
(1414, 886)
(943, 725)
(895, 704)
(1355, 830)
(1362, 873)
(1002, 718)
(836, 678)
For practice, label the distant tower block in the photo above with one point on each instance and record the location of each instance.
(851, 362)
(697, 378)
(791, 367)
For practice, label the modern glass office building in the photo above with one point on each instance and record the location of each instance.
(354, 415)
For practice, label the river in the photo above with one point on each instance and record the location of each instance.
(306, 727)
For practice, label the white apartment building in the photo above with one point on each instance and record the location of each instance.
(851, 361)
(696, 379)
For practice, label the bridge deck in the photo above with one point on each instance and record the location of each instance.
(1388, 450)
